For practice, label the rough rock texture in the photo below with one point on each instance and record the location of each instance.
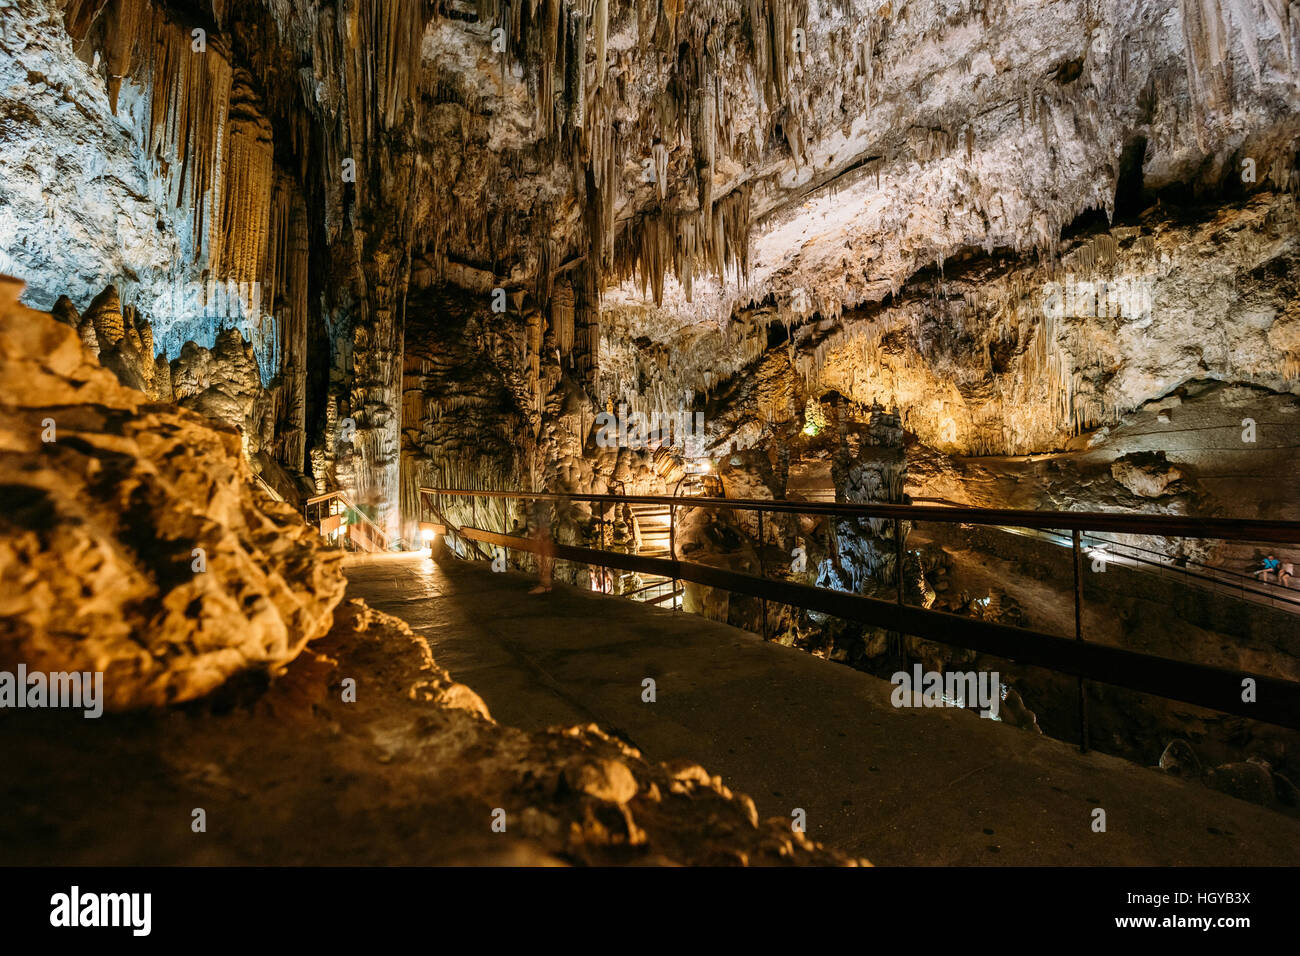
(615, 168)
(222, 384)
(135, 543)
(131, 158)
(990, 128)
(868, 467)
(413, 772)
(77, 211)
(1148, 475)
(1249, 780)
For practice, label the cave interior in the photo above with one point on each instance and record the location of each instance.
(284, 273)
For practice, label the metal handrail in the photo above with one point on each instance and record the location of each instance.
(1159, 557)
(646, 587)
(1173, 526)
(1209, 577)
(1278, 700)
(1206, 573)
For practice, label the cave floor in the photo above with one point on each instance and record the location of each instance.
(898, 786)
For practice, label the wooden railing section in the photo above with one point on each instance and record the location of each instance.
(330, 513)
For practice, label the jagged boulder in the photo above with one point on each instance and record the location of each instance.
(133, 541)
(223, 384)
(1179, 759)
(1247, 780)
(1146, 474)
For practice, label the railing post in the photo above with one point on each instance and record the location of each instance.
(762, 570)
(505, 530)
(898, 557)
(898, 576)
(1078, 634)
(672, 548)
(601, 519)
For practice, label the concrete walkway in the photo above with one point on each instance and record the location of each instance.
(898, 786)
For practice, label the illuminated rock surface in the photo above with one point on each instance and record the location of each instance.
(98, 556)
(412, 772)
(135, 541)
(1051, 248)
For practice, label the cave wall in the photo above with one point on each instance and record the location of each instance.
(77, 209)
(669, 192)
(1004, 162)
(214, 164)
(991, 359)
(152, 158)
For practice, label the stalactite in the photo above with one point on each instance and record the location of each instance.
(549, 38)
(182, 98)
(285, 285)
(562, 318)
(575, 69)
(547, 64)
(1208, 34)
(389, 43)
(239, 247)
(534, 341)
(602, 39)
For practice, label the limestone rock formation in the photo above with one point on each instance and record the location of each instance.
(869, 466)
(1180, 760)
(122, 340)
(400, 244)
(1148, 475)
(66, 312)
(441, 771)
(223, 384)
(1015, 223)
(134, 542)
(1248, 780)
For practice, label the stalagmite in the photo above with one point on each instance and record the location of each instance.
(105, 315)
(66, 312)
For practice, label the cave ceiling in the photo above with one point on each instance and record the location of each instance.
(665, 192)
(877, 141)
(686, 161)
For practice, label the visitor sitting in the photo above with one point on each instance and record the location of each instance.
(1272, 566)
